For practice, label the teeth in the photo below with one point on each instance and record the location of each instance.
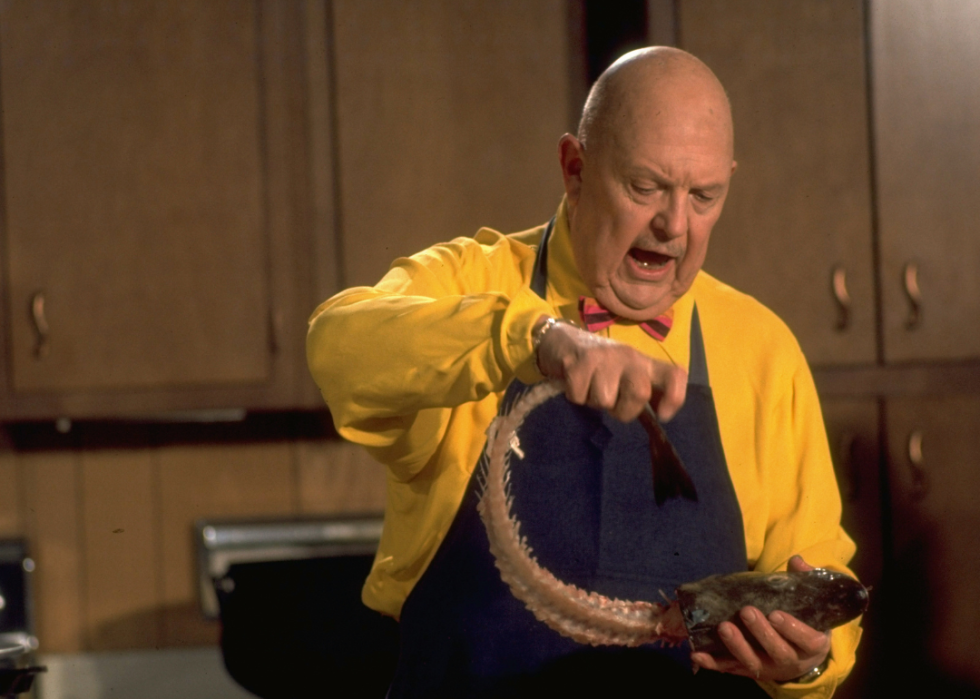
(650, 265)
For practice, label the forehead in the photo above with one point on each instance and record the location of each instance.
(678, 151)
(673, 119)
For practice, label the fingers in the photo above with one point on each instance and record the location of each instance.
(798, 565)
(745, 659)
(609, 375)
(782, 647)
(673, 383)
(781, 653)
(808, 640)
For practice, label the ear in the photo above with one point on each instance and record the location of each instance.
(571, 153)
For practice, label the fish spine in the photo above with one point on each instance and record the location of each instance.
(586, 617)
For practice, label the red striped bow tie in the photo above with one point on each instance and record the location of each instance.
(595, 317)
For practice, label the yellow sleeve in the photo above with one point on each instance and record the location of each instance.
(776, 446)
(804, 516)
(447, 326)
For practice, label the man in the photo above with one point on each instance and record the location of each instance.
(415, 369)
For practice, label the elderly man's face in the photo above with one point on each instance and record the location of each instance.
(642, 206)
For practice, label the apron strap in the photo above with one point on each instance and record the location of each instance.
(539, 279)
(697, 373)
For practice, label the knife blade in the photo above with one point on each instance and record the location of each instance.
(670, 478)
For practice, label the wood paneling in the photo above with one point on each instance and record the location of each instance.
(284, 38)
(800, 201)
(925, 60)
(11, 497)
(111, 530)
(241, 481)
(338, 477)
(323, 134)
(121, 539)
(52, 497)
(449, 115)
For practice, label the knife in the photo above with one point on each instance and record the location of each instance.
(670, 478)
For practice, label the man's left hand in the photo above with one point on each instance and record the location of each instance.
(789, 648)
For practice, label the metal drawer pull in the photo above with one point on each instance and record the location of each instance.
(43, 345)
(911, 279)
(839, 286)
(920, 480)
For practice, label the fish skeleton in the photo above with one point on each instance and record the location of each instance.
(820, 598)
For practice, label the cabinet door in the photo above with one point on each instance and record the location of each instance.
(852, 428)
(134, 194)
(156, 239)
(448, 117)
(935, 583)
(926, 62)
(799, 209)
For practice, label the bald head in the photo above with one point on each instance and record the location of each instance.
(648, 85)
(646, 179)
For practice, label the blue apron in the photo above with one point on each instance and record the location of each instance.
(584, 496)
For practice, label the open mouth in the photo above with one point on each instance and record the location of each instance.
(647, 259)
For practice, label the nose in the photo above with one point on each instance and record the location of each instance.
(671, 220)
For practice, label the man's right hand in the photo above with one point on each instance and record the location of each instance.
(601, 373)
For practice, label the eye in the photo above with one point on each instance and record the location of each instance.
(643, 188)
(703, 197)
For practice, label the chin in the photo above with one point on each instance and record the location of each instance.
(637, 307)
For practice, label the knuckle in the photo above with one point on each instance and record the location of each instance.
(606, 397)
(630, 390)
(576, 390)
(817, 644)
(783, 655)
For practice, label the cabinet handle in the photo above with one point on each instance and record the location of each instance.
(910, 277)
(920, 480)
(838, 279)
(43, 344)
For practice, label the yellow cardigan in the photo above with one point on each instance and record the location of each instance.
(414, 367)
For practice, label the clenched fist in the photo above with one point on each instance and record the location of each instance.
(609, 375)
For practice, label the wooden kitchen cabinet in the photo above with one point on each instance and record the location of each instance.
(155, 206)
(855, 175)
(853, 428)
(448, 117)
(856, 134)
(133, 186)
(798, 219)
(184, 183)
(852, 431)
(934, 585)
(926, 103)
